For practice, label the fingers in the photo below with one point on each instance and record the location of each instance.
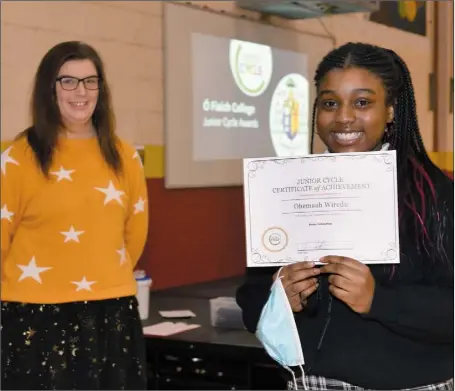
(333, 259)
(303, 300)
(304, 275)
(345, 267)
(296, 303)
(340, 282)
(289, 272)
(300, 266)
(350, 281)
(299, 293)
(299, 302)
(299, 272)
(305, 294)
(340, 269)
(339, 293)
(298, 287)
(297, 279)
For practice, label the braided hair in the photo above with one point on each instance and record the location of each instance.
(423, 213)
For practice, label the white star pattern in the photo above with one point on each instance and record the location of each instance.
(63, 174)
(138, 157)
(139, 206)
(122, 253)
(6, 158)
(111, 193)
(83, 284)
(32, 271)
(72, 235)
(6, 214)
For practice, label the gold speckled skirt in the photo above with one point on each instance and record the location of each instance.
(73, 346)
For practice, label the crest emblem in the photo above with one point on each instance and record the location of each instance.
(291, 112)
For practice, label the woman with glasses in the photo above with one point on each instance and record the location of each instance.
(74, 222)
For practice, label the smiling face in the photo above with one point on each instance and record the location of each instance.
(351, 110)
(77, 105)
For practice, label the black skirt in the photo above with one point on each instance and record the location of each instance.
(73, 346)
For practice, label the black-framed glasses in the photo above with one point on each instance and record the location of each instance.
(70, 83)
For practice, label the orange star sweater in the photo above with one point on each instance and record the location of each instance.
(77, 235)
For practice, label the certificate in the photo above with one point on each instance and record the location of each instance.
(304, 208)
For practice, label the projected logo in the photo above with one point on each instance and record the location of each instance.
(251, 66)
(288, 119)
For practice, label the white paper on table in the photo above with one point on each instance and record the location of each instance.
(177, 314)
(304, 208)
(164, 329)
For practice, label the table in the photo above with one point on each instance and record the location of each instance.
(207, 357)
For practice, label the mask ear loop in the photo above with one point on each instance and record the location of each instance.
(279, 272)
(305, 387)
(294, 379)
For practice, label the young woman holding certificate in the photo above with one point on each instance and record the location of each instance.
(355, 326)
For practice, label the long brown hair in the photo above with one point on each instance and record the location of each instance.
(43, 134)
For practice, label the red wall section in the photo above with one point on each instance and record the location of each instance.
(195, 235)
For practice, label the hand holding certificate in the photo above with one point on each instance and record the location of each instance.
(305, 208)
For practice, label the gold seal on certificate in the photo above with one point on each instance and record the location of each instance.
(304, 208)
(275, 239)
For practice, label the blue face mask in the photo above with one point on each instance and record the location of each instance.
(277, 330)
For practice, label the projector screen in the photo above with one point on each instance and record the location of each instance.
(234, 89)
(259, 108)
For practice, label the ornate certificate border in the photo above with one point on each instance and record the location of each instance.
(254, 167)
